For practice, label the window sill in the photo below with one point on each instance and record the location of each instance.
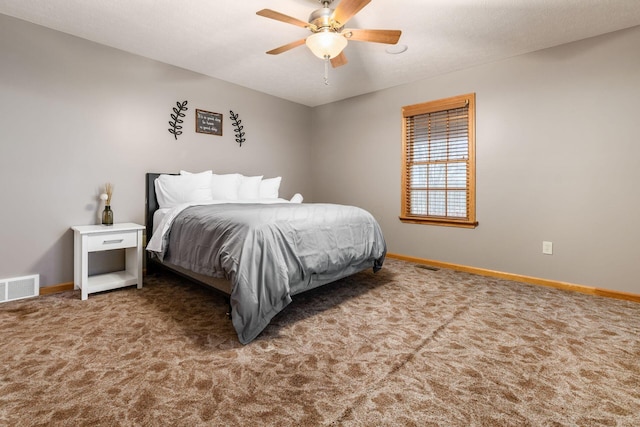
(439, 222)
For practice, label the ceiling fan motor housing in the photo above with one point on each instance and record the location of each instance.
(322, 20)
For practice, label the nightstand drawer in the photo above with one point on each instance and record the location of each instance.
(108, 241)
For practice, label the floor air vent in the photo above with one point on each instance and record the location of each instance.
(19, 288)
(427, 267)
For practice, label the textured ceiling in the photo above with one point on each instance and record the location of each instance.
(225, 39)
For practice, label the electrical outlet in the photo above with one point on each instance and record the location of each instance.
(547, 248)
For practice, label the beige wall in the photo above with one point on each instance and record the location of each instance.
(557, 160)
(557, 151)
(75, 114)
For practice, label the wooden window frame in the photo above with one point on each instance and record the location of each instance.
(408, 114)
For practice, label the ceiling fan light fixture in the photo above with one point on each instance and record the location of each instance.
(326, 44)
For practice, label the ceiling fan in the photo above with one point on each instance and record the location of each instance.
(329, 36)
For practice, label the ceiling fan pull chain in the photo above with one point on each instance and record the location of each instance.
(326, 70)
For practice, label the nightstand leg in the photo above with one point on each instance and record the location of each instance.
(134, 261)
(139, 259)
(77, 259)
(84, 269)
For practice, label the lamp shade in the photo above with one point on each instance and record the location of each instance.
(326, 44)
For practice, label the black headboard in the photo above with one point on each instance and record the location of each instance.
(150, 203)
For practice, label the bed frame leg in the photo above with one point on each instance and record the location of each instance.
(229, 310)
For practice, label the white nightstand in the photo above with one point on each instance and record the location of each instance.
(94, 238)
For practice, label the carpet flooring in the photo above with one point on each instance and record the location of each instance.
(406, 346)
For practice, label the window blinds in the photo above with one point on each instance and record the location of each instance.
(437, 160)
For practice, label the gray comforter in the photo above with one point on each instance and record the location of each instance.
(271, 252)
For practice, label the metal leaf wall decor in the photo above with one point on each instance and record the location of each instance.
(238, 127)
(177, 113)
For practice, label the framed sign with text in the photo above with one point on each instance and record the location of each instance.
(208, 122)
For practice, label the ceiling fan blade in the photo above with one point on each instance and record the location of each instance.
(339, 60)
(347, 8)
(286, 47)
(377, 36)
(272, 14)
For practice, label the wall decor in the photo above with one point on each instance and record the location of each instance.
(238, 128)
(208, 122)
(177, 113)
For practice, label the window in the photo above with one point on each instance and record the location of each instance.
(438, 162)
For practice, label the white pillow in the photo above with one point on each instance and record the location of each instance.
(249, 187)
(191, 173)
(225, 187)
(269, 188)
(297, 198)
(172, 190)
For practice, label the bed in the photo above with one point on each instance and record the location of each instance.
(259, 251)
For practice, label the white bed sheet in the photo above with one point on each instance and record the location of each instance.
(158, 216)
